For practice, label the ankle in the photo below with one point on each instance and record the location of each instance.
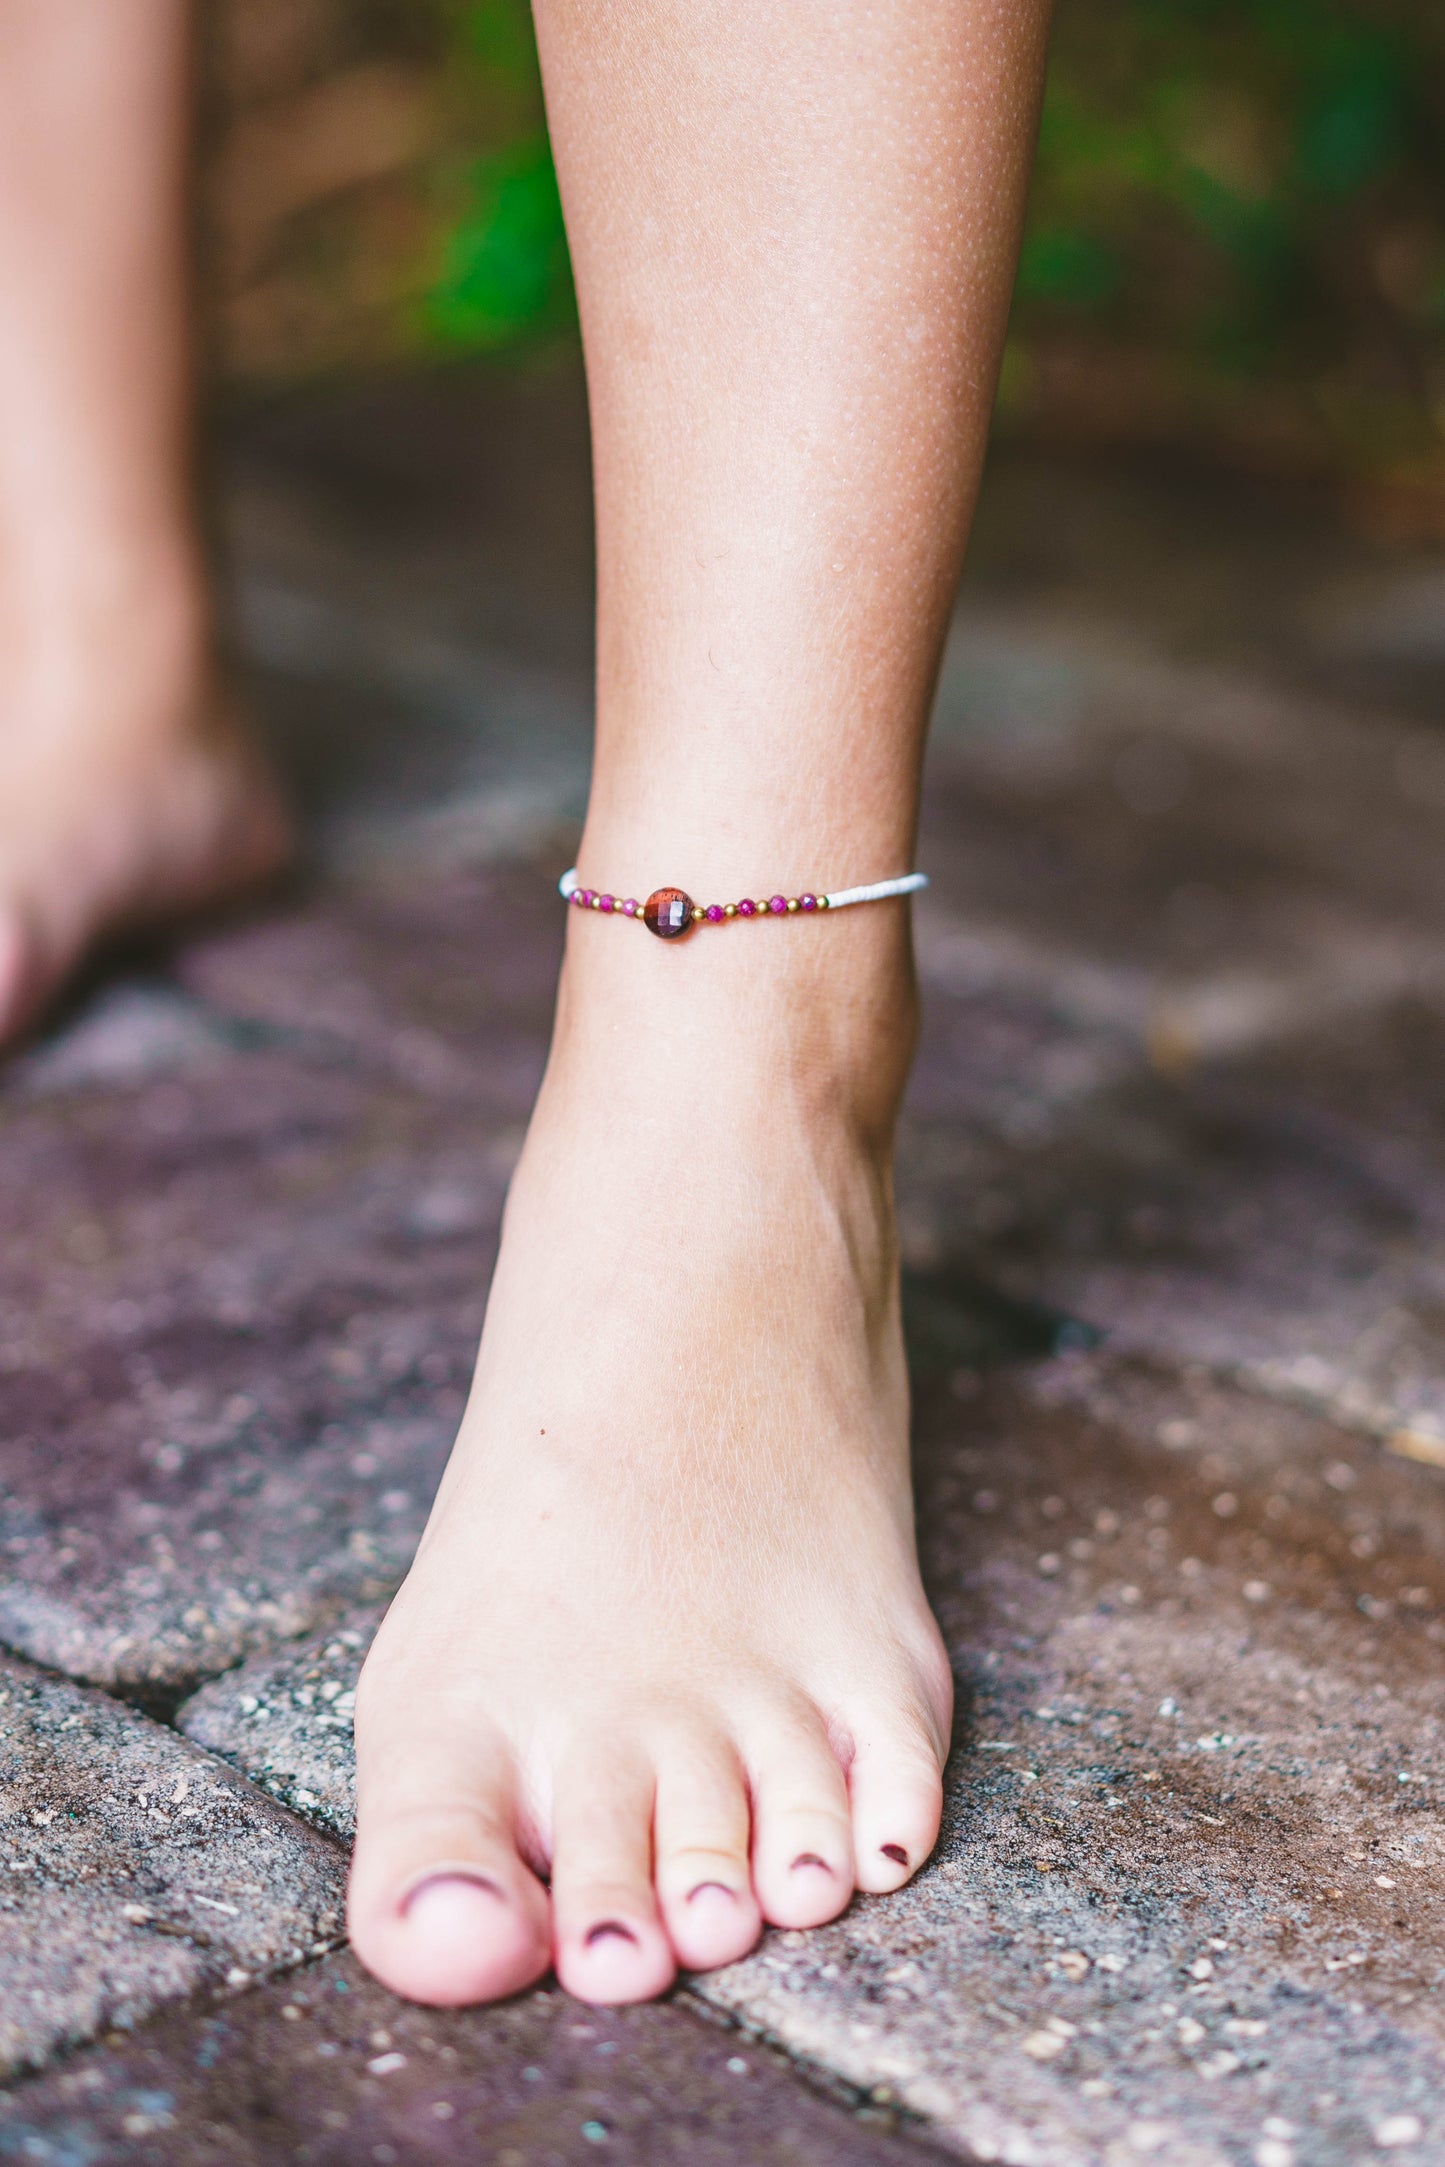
(818, 1013)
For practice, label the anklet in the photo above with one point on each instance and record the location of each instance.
(670, 912)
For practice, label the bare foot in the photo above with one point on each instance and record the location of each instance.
(664, 1645)
(129, 793)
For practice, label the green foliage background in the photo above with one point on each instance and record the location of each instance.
(502, 277)
(1236, 237)
(1243, 203)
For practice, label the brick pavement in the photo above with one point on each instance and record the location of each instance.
(1173, 1182)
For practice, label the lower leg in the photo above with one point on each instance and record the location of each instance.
(124, 786)
(665, 1638)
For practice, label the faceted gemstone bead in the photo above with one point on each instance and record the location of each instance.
(632, 907)
(668, 913)
(807, 902)
(778, 905)
(606, 902)
(714, 913)
(747, 908)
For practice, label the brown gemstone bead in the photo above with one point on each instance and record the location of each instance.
(668, 913)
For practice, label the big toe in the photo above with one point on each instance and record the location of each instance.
(459, 1935)
(442, 1906)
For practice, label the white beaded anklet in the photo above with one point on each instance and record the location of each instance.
(671, 912)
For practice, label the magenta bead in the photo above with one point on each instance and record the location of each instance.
(584, 897)
(807, 902)
(777, 905)
(714, 913)
(747, 908)
(631, 907)
(606, 902)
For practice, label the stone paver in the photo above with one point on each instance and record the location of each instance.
(1195, 1849)
(1281, 1218)
(1191, 1894)
(1185, 1009)
(286, 1719)
(325, 2067)
(1189, 933)
(1173, 821)
(414, 604)
(135, 1871)
(244, 1273)
(256, 1208)
(1183, 955)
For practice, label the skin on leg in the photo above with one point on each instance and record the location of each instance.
(126, 788)
(672, 1563)
(95, 364)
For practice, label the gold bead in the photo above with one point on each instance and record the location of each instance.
(698, 913)
(596, 902)
(730, 910)
(822, 902)
(792, 902)
(761, 907)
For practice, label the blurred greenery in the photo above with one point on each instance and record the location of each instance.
(504, 272)
(1236, 235)
(1250, 199)
(1237, 226)
(503, 275)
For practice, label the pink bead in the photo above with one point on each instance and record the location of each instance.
(714, 913)
(747, 908)
(631, 907)
(606, 902)
(807, 902)
(778, 905)
(584, 897)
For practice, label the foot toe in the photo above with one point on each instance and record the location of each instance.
(704, 1883)
(802, 1834)
(469, 1925)
(895, 1786)
(442, 1907)
(608, 1939)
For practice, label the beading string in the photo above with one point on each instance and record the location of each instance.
(671, 912)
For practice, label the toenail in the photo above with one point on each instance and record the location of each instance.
(450, 1877)
(810, 1858)
(703, 1887)
(610, 1930)
(896, 1852)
